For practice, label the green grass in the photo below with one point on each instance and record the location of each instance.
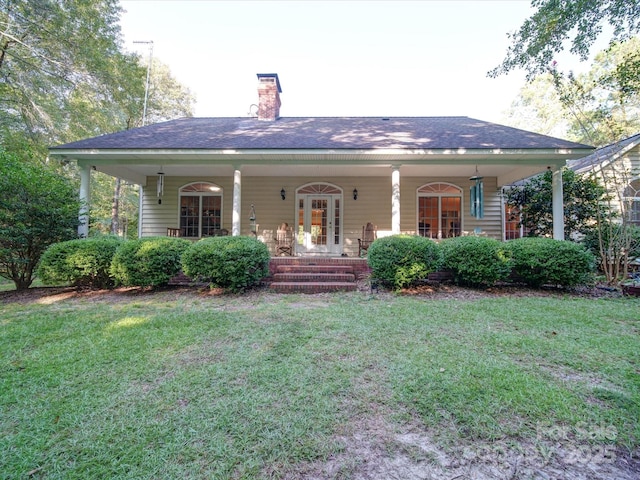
(189, 386)
(8, 285)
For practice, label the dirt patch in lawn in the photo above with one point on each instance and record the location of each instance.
(382, 453)
(375, 448)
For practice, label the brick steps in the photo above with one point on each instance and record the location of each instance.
(312, 287)
(314, 268)
(306, 274)
(314, 275)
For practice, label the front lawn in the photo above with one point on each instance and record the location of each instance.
(180, 384)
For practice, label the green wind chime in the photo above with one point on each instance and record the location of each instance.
(476, 196)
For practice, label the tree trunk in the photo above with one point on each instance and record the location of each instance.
(115, 208)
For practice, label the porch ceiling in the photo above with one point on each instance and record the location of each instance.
(507, 165)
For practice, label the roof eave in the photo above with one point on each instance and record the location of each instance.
(494, 155)
(610, 158)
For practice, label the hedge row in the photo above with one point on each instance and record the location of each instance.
(103, 262)
(237, 263)
(401, 260)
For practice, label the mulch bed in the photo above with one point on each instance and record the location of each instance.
(431, 290)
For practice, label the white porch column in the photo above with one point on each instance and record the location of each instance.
(237, 198)
(395, 199)
(140, 208)
(85, 199)
(557, 204)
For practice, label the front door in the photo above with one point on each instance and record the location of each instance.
(319, 220)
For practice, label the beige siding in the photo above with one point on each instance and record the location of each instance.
(159, 217)
(373, 205)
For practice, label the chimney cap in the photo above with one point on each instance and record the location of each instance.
(271, 75)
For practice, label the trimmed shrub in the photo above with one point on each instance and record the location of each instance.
(545, 261)
(148, 262)
(476, 261)
(80, 262)
(235, 263)
(400, 260)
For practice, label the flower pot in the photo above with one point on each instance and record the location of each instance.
(631, 290)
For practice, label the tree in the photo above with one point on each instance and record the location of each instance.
(616, 238)
(38, 207)
(595, 108)
(167, 99)
(50, 51)
(64, 76)
(601, 108)
(582, 198)
(538, 108)
(544, 34)
(112, 104)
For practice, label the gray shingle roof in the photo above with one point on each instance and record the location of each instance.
(432, 133)
(604, 154)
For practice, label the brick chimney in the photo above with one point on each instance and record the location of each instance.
(268, 96)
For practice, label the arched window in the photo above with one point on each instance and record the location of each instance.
(200, 209)
(439, 210)
(632, 202)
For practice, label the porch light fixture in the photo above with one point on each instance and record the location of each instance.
(355, 193)
(160, 186)
(283, 194)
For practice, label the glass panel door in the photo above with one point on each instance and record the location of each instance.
(450, 223)
(190, 216)
(318, 229)
(319, 221)
(211, 207)
(439, 216)
(428, 217)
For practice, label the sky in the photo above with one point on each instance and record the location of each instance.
(336, 58)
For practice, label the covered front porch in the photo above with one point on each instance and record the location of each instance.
(325, 200)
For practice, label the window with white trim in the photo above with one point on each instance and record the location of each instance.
(512, 227)
(632, 202)
(439, 210)
(200, 209)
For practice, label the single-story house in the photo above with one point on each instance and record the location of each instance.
(618, 166)
(326, 177)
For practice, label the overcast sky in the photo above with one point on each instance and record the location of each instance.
(336, 58)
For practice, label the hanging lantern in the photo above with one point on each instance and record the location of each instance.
(476, 197)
